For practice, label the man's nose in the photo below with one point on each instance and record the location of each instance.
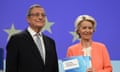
(40, 17)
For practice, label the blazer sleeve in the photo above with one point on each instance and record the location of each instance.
(69, 52)
(107, 67)
(12, 54)
(56, 58)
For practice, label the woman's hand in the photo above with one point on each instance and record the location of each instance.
(90, 70)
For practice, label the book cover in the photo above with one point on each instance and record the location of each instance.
(76, 64)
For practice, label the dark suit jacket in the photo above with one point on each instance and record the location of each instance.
(23, 54)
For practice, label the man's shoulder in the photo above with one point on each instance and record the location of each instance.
(20, 34)
(47, 37)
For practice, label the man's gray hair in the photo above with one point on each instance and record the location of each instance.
(31, 7)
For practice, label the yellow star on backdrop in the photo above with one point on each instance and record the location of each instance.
(48, 26)
(75, 36)
(11, 31)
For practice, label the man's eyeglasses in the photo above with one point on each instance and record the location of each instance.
(37, 14)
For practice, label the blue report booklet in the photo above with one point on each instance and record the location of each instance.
(75, 64)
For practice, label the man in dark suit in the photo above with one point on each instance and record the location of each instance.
(23, 53)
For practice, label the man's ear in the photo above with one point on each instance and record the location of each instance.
(28, 19)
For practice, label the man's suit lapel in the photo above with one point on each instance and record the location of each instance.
(46, 49)
(35, 50)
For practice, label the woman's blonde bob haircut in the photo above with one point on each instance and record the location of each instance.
(82, 18)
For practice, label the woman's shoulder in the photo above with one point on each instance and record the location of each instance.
(98, 44)
(74, 46)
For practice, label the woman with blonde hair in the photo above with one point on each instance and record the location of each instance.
(100, 61)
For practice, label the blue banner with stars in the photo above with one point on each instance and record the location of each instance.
(60, 22)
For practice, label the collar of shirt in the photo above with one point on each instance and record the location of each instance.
(32, 32)
(87, 51)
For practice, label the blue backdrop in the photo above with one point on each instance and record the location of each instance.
(61, 15)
